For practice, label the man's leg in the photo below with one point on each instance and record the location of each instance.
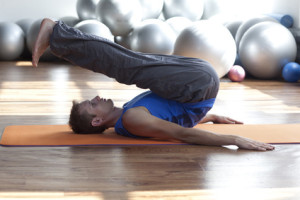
(172, 77)
(42, 41)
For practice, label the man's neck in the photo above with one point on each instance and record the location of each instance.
(114, 117)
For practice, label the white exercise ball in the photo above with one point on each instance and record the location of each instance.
(86, 9)
(153, 36)
(233, 26)
(248, 24)
(151, 9)
(95, 27)
(119, 15)
(208, 41)
(25, 24)
(265, 48)
(123, 40)
(11, 41)
(70, 20)
(178, 24)
(191, 9)
(213, 7)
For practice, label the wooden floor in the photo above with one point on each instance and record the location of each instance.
(43, 96)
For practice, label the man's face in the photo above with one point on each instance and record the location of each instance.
(97, 106)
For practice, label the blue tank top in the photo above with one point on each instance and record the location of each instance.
(183, 114)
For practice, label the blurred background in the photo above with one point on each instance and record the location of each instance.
(238, 37)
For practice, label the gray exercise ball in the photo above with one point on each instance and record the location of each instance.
(25, 24)
(31, 38)
(124, 40)
(178, 24)
(249, 23)
(233, 26)
(209, 41)
(151, 9)
(95, 27)
(70, 20)
(191, 9)
(86, 9)
(265, 48)
(119, 15)
(11, 41)
(153, 36)
(215, 7)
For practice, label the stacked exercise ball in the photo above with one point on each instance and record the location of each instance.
(191, 9)
(151, 9)
(86, 9)
(265, 48)
(244, 27)
(260, 46)
(120, 16)
(95, 27)
(153, 36)
(11, 41)
(208, 41)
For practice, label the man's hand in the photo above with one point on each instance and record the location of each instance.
(246, 143)
(216, 119)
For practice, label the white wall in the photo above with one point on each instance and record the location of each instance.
(13, 10)
(240, 8)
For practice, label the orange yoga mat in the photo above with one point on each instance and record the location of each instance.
(61, 135)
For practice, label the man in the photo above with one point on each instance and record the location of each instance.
(182, 90)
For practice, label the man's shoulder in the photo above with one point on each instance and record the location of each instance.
(135, 111)
(136, 115)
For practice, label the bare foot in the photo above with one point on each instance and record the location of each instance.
(42, 41)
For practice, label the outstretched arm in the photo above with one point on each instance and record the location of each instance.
(216, 119)
(140, 122)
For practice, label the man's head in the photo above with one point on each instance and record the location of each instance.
(90, 116)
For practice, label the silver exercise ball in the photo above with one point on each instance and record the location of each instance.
(233, 26)
(209, 41)
(124, 40)
(119, 15)
(25, 24)
(95, 27)
(70, 20)
(151, 9)
(178, 24)
(265, 48)
(86, 9)
(11, 41)
(191, 9)
(31, 38)
(249, 23)
(213, 7)
(153, 36)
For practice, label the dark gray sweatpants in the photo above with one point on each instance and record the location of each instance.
(172, 77)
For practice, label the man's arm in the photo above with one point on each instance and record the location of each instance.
(140, 122)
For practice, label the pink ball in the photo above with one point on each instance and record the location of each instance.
(236, 73)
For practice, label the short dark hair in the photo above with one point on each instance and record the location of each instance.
(81, 123)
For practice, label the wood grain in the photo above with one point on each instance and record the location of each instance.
(42, 96)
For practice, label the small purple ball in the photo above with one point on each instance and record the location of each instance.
(236, 73)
